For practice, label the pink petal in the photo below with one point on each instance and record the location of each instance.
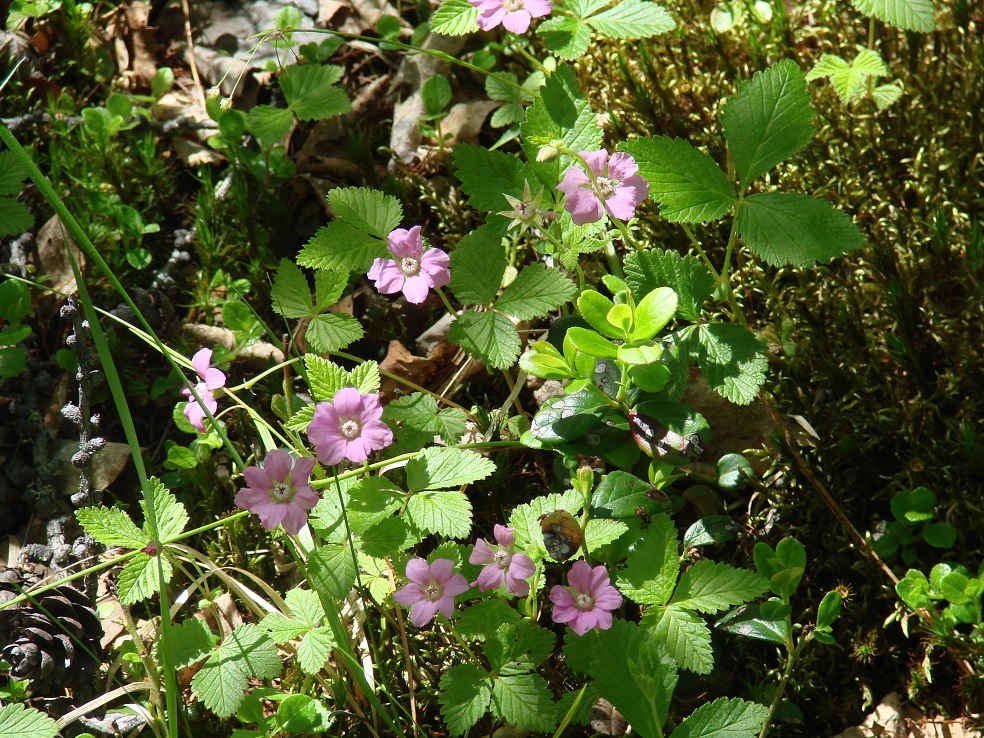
(294, 519)
(581, 624)
(270, 513)
(580, 576)
(518, 587)
(456, 585)
(562, 598)
(278, 464)
(257, 478)
(521, 566)
(415, 289)
(517, 21)
(622, 166)
(481, 554)
(504, 535)
(195, 416)
(301, 473)
(357, 450)
(422, 613)
(608, 599)
(574, 179)
(597, 160)
(441, 570)
(490, 577)
(410, 594)
(347, 402)
(445, 606)
(330, 449)
(584, 207)
(419, 572)
(306, 497)
(489, 20)
(201, 361)
(250, 499)
(390, 277)
(214, 379)
(403, 243)
(371, 409)
(538, 8)
(435, 264)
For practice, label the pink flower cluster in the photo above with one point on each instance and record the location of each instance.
(615, 188)
(584, 605)
(414, 272)
(209, 380)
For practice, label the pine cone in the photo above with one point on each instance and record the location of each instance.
(52, 642)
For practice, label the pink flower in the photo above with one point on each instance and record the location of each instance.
(618, 182)
(413, 272)
(279, 491)
(502, 564)
(348, 427)
(589, 600)
(432, 589)
(514, 15)
(210, 379)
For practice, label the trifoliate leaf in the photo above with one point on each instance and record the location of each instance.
(139, 578)
(710, 586)
(291, 293)
(330, 332)
(170, 514)
(787, 228)
(465, 695)
(524, 700)
(486, 176)
(340, 245)
(18, 721)
(420, 420)
(324, 377)
(685, 275)
(245, 654)
(489, 336)
(687, 184)
(444, 512)
(304, 623)
(311, 92)
(567, 37)
(439, 468)
(912, 15)
(686, 637)
(651, 570)
(111, 527)
(536, 292)
(732, 360)
(768, 120)
(723, 718)
(477, 266)
(633, 19)
(454, 18)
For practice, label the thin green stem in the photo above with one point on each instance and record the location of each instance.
(530, 58)
(444, 299)
(781, 687)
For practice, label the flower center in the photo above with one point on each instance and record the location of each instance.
(350, 429)
(513, 5)
(410, 266)
(584, 602)
(607, 186)
(201, 389)
(502, 558)
(281, 492)
(433, 591)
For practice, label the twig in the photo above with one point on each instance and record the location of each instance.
(191, 53)
(173, 125)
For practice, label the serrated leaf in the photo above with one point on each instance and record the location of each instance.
(291, 293)
(420, 420)
(454, 18)
(330, 332)
(12, 173)
(788, 228)
(332, 571)
(869, 62)
(18, 721)
(602, 531)
(536, 292)
(566, 37)
(328, 287)
(560, 112)
(686, 637)
(633, 19)
(325, 378)
(687, 184)
(365, 377)
(732, 360)
(747, 621)
(486, 176)
(685, 275)
(139, 578)
(439, 468)
(710, 586)
(111, 527)
(650, 574)
(912, 15)
(340, 245)
(246, 653)
(465, 695)
(170, 514)
(269, 124)
(311, 92)
(886, 95)
(444, 512)
(14, 217)
(370, 211)
(524, 700)
(191, 641)
(477, 266)
(768, 120)
(488, 336)
(723, 718)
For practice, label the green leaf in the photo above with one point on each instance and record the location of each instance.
(365, 377)
(325, 378)
(768, 120)
(306, 624)
(732, 360)
(848, 80)
(18, 721)
(14, 217)
(328, 287)
(710, 586)
(685, 275)
(940, 535)
(536, 292)
(723, 718)
(454, 18)
(439, 468)
(15, 300)
(601, 531)
(490, 337)
(594, 307)
(912, 15)
(651, 569)
(291, 293)
(370, 211)
(747, 621)
(560, 112)
(332, 571)
(464, 697)
(686, 637)
(524, 700)
(299, 713)
(420, 420)
(653, 312)
(170, 514)
(12, 173)
(269, 124)
(620, 495)
(330, 332)
(139, 578)
(525, 518)
(190, 641)
(829, 609)
(477, 266)
(787, 228)
(869, 62)
(486, 176)
(633, 19)
(446, 513)
(246, 653)
(340, 245)
(111, 527)
(687, 184)
(914, 505)
(886, 95)
(567, 37)
(436, 94)
(591, 343)
(311, 92)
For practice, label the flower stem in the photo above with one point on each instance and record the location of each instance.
(781, 687)
(444, 299)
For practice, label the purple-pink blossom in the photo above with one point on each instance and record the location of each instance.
(413, 271)
(279, 491)
(514, 15)
(502, 564)
(589, 599)
(431, 590)
(622, 189)
(209, 379)
(349, 427)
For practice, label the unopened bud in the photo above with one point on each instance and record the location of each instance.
(225, 103)
(213, 93)
(546, 153)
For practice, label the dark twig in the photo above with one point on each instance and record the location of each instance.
(174, 125)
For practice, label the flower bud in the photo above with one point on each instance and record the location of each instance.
(213, 93)
(546, 153)
(225, 103)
